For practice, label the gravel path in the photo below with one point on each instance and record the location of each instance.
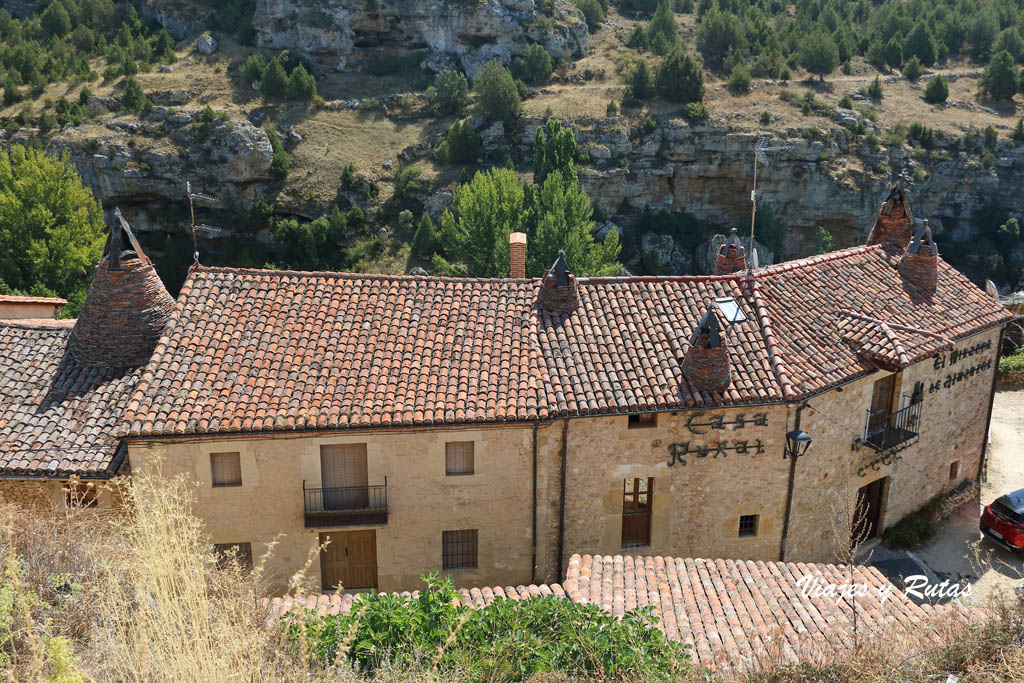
(959, 551)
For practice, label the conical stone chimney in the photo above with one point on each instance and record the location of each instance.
(557, 292)
(892, 224)
(706, 364)
(732, 256)
(125, 309)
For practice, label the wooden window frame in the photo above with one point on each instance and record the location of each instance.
(460, 549)
(214, 470)
(748, 526)
(642, 420)
(242, 549)
(458, 464)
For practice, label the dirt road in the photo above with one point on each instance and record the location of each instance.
(958, 551)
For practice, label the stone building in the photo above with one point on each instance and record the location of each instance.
(486, 428)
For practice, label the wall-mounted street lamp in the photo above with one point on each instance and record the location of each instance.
(797, 443)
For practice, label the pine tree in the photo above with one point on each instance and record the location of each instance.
(554, 149)
(819, 54)
(1000, 77)
(680, 78)
(55, 20)
(423, 240)
(497, 94)
(662, 32)
(274, 82)
(301, 85)
(937, 91)
(893, 53)
(921, 44)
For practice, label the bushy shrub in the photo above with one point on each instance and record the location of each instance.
(507, 640)
(638, 38)
(253, 69)
(875, 89)
(999, 81)
(301, 85)
(274, 82)
(462, 145)
(913, 69)
(537, 65)
(845, 102)
(497, 95)
(1018, 133)
(279, 161)
(424, 241)
(696, 112)
(680, 78)
(133, 98)
(739, 79)
(640, 81)
(937, 91)
(450, 92)
(662, 30)
(718, 33)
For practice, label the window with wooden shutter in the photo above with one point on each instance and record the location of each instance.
(226, 469)
(459, 549)
(637, 497)
(458, 458)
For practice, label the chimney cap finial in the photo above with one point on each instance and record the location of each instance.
(709, 323)
(561, 269)
(922, 235)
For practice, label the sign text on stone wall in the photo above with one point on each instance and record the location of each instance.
(959, 354)
(719, 422)
(679, 451)
(954, 378)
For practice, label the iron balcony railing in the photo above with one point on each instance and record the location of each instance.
(887, 430)
(347, 505)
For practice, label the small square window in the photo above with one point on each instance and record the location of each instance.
(954, 469)
(226, 469)
(458, 549)
(228, 552)
(458, 458)
(81, 494)
(748, 526)
(639, 420)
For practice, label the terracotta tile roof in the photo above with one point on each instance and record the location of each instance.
(734, 612)
(56, 417)
(252, 350)
(334, 604)
(622, 349)
(805, 301)
(11, 299)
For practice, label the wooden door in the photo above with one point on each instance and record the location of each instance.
(637, 494)
(883, 402)
(349, 560)
(868, 517)
(344, 477)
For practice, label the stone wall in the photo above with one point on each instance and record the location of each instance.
(422, 500)
(31, 493)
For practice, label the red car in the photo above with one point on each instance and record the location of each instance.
(1003, 520)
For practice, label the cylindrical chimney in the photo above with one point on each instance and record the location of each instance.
(557, 293)
(731, 257)
(706, 364)
(920, 265)
(517, 255)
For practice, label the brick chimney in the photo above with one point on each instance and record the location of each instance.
(892, 224)
(706, 364)
(920, 265)
(732, 256)
(557, 294)
(125, 309)
(517, 255)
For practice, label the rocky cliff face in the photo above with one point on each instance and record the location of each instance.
(819, 179)
(469, 31)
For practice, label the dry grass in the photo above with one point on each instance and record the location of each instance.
(97, 595)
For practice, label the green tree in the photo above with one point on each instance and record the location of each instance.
(983, 30)
(819, 54)
(739, 79)
(51, 227)
(1018, 133)
(638, 39)
(937, 91)
(1000, 78)
(55, 20)
(893, 53)
(565, 223)
(163, 46)
(592, 11)
(462, 145)
(554, 149)
(537, 65)
(484, 213)
(875, 89)
(921, 44)
(301, 85)
(719, 32)
(662, 32)
(274, 82)
(253, 68)
(1009, 39)
(680, 78)
(497, 95)
(450, 92)
(133, 98)
(423, 240)
(280, 164)
(83, 38)
(641, 83)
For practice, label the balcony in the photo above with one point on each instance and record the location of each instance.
(346, 506)
(893, 431)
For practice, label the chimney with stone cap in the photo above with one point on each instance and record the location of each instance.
(126, 308)
(706, 363)
(920, 265)
(732, 256)
(557, 292)
(517, 255)
(892, 224)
